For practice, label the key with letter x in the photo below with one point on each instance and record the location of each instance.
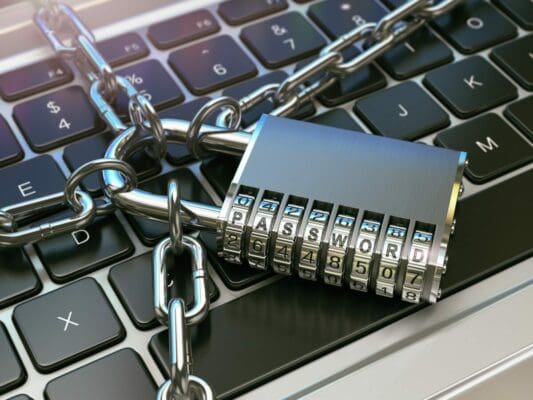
(67, 324)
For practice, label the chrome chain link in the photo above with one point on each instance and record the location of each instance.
(375, 39)
(71, 39)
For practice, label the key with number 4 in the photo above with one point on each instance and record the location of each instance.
(57, 118)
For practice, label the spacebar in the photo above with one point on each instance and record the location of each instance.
(274, 329)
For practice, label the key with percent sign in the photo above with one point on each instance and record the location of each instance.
(153, 82)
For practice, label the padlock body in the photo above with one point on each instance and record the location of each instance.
(340, 184)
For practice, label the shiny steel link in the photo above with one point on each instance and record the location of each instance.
(72, 184)
(96, 67)
(377, 38)
(50, 19)
(199, 274)
(142, 113)
(35, 207)
(226, 117)
(174, 216)
(232, 121)
(182, 385)
(154, 206)
(387, 24)
(433, 11)
(300, 77)
(55, 14)
(8, 223)
(105, 83)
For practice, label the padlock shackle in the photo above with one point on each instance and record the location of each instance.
(153, 206)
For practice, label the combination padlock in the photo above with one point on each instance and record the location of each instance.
(350, 209)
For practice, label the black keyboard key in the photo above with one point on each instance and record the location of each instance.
(220, 171)
(10, 150)
(237, 12)
(219, 62)
(150, 232)
(298, 322)
(153, 82)
(123, 49)
(179, 154)
(18, 279)
(520, 115)
(133, 283)
(325, 317)
(118, 376)
(349, 87)
(188, 110)
(12, 373)
(421, 52)
(20, 397)
(30, 179)
(34, 78)
(67, 324)
(519, 10)
(493, 147)
(338, 118)
(235, 277)
(266, 106)
(394, 3)
(474, 25)
(516, 58)
(70, 255)
(95, 147)
(282, 40)
(476, 252)
(404, 111)
(336, 17)
(183, 29)
(470, 86)
(57, 118)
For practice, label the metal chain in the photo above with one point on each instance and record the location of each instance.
(55, 20)
(375, 38)
(181, 385)
(70, 38)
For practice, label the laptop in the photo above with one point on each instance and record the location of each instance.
(77, 320)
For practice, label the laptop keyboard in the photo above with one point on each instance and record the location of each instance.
(68, 304)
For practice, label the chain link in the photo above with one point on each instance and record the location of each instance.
(375, 38)
(11, 236)
(70, 38)
(181, 385)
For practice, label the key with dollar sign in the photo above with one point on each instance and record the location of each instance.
(57, 118)
(53, 107)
